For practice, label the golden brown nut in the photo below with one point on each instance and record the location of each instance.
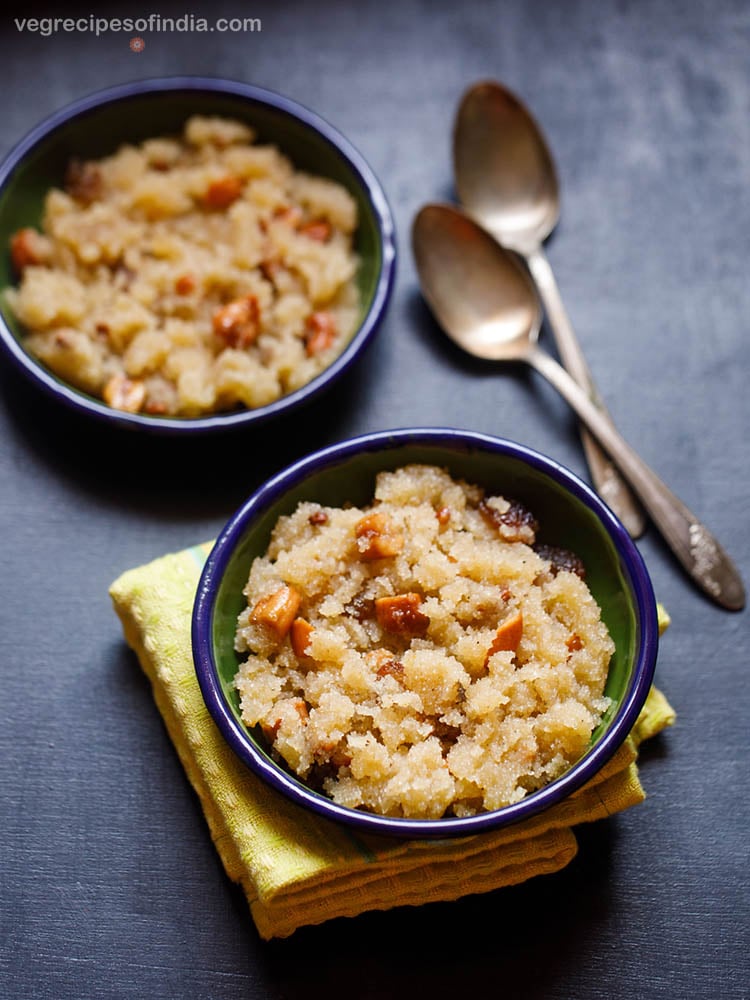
(278, 610)
(319, 230)
(123, 393)
(300, 634)
(443, 515)
(222, 192)
(320, 332)
(238, 322)
(27, 246)
(508, 635)
(376, 539)
(401, 614)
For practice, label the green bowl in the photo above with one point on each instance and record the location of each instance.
(97, 125)
(571, 515)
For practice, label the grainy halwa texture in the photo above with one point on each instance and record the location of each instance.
(418, 657)
(189, 275)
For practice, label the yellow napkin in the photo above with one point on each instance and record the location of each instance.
(296, 868)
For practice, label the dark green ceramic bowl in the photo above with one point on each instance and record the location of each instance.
(98, 125)
(570, 514)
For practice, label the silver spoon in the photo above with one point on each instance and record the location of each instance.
(506, 180)
(486, 302)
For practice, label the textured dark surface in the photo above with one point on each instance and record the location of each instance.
(110, 884)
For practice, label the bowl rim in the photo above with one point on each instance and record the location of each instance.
(363, 173)
(235, 734)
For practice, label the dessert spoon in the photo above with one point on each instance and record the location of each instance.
(506, 180)
(486, 302)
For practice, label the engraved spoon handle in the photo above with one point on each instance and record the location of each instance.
(604, 475)
(695, 547)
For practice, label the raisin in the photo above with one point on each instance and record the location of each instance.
(514, 523)
(83, 181)
(185, 284)
(561, 559)
(391, 668)
(361, 608)
(444, 731)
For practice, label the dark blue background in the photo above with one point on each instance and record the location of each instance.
(110, 884)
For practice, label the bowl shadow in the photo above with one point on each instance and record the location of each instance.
(199, 475)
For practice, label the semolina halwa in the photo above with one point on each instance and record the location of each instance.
(421, 656)
(189, 275)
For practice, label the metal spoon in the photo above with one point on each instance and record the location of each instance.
(486, 302)
(506, 180)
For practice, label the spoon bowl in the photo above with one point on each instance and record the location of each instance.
(480, 293)
(484, 301)
(505, 174)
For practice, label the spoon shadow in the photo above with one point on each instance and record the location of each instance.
(450, 356)
(426, 328)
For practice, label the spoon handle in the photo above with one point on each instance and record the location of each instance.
(692, 543)
(604, 475)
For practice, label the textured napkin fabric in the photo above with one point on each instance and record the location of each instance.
(296, 868)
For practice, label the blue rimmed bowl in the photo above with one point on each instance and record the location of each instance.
(571, 516)
(96, 125)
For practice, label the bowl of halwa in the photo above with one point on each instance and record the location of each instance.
(425, 633)
(189, 254)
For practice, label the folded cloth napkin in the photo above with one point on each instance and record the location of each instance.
(296, 868)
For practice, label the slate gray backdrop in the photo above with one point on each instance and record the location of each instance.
(110, 884)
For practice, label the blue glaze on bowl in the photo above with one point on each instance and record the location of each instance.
(95, 125)
(570, 514)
